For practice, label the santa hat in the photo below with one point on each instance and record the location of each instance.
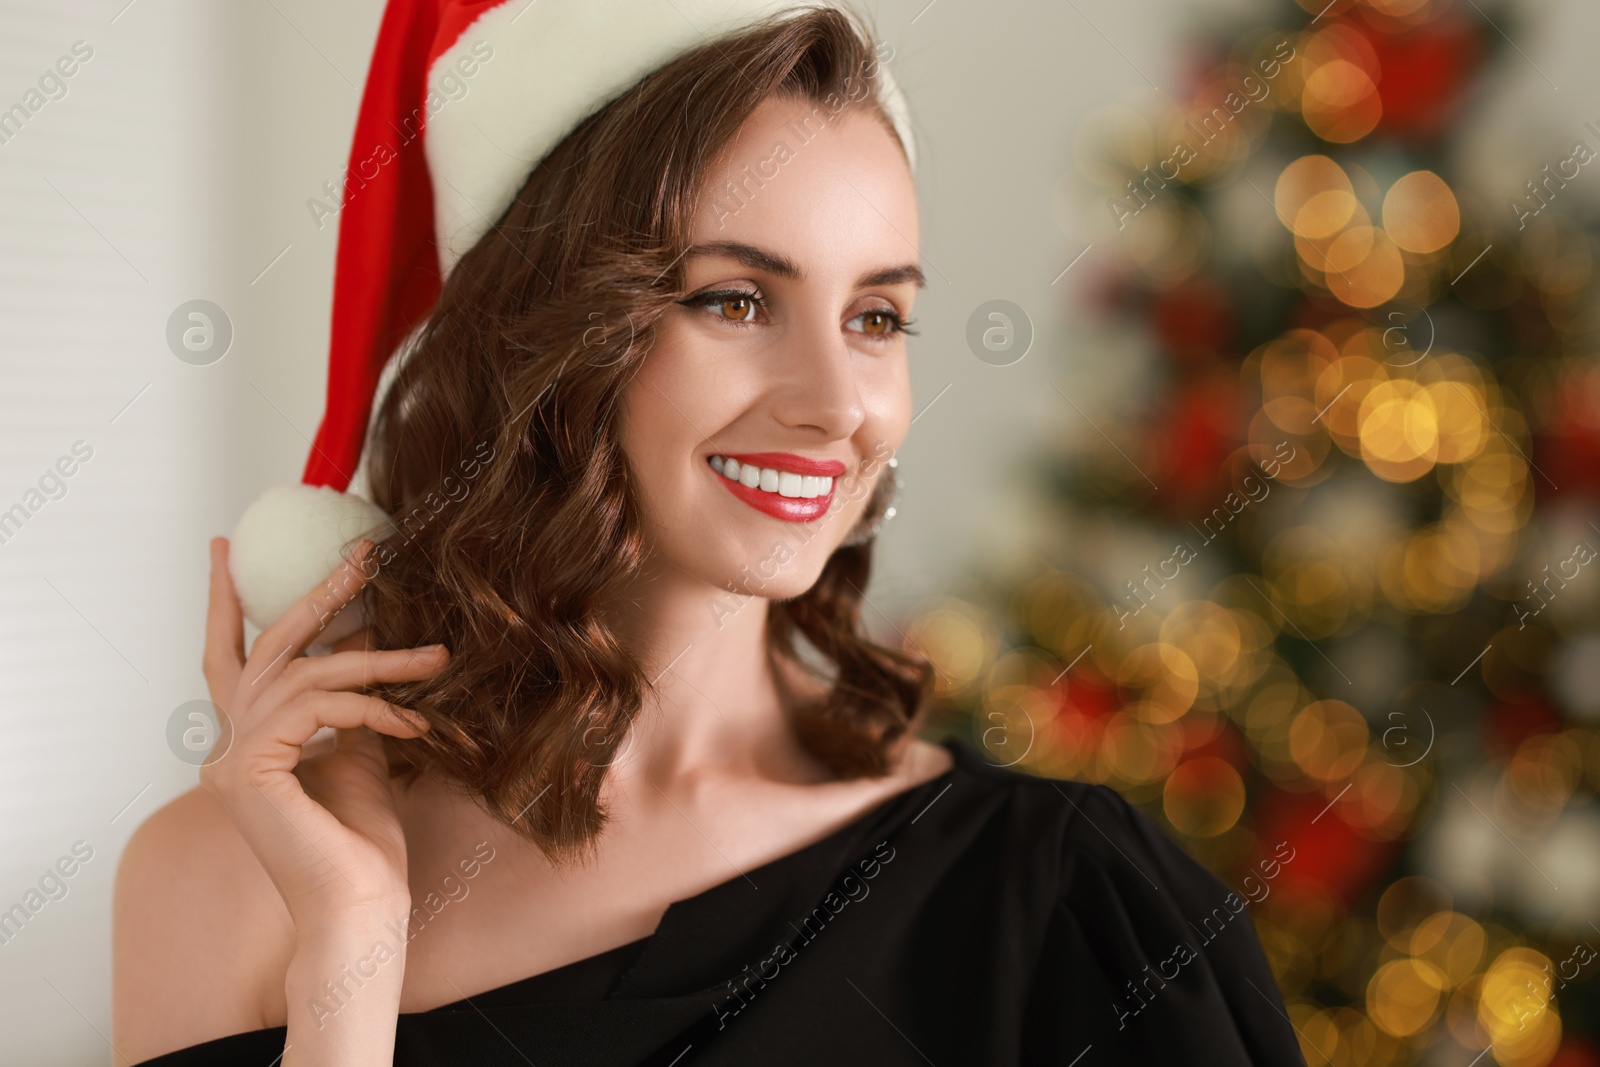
(463, 99)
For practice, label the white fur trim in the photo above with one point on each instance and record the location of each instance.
(288, 542)
(554, 63)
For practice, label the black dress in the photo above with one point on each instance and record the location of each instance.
(983, 917)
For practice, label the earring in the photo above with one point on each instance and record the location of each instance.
(879, 511)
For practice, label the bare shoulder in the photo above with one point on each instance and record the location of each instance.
(197, 926)
(923, 760)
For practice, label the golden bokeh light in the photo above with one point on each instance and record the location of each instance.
(1164, 679)
(1328, 740)
(1204, 797)
(1420, 212)
(1051, 603)
(1382, 799)
(1209, 635)
(1517, 1010)
(1303, 465)
(1403, 996)
(1318, 1031)
(1289, 367)
(1458, 408)
(1540, 778)
(1305, 179)
(1315, 253)
(1341, 388)
(956, 640)
(1449, 940)
(1495, 481)
(1399, 430)
(1340, 102)
(1349, 249)
(1369, 271)
(1407, 902)
(1325, 214)
(1138, 752)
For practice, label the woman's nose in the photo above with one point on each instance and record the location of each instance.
(818, 382)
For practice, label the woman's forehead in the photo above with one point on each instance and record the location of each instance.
(815, 188)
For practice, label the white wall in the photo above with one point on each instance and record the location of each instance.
(110, 217)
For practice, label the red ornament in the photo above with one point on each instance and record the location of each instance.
(1423, 73)
(1087, 698)
(1576, 1051)
(1330, 857)
(1194, 438)
(1568, 450)
(1226, 744)
(1194, 319)
(1509, 724)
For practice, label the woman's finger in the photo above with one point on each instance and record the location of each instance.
(352, 670)
(224, 652)
(287, 638)
(358, 641)
(295, 722)
(274, 745)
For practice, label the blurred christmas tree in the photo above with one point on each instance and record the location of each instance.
(1313, 577)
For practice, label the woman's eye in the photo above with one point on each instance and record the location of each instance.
(880, 323)
(741, 307)
(736, 306)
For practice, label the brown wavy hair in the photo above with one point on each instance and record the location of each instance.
(496, 453)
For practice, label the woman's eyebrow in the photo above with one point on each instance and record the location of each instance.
(778, 264)
(909, 272)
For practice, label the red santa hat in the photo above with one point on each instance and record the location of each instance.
(463, 99)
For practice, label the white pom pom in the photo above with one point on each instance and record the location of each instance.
(288, 542)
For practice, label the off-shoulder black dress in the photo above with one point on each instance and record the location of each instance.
(983, 917)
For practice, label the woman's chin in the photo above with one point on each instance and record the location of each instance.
(770, 580)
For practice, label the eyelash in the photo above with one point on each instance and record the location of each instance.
(901, 326)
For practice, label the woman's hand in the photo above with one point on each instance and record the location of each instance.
(326, 830)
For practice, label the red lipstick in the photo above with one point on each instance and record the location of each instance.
(787, 508)
(788, 461)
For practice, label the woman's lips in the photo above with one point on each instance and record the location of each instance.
(788, 461)
(787, 508)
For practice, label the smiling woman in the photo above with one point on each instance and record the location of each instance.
(717, 837)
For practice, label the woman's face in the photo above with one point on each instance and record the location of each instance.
(785, 355)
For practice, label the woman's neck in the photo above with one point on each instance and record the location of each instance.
(717, 705)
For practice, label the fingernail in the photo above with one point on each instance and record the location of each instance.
(431, 648)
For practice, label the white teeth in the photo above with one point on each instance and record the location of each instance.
(770, 480)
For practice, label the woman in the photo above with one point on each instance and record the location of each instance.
(656, 799)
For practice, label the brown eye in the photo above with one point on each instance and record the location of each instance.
(880, 324)
(877, 323)
(736, 308)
